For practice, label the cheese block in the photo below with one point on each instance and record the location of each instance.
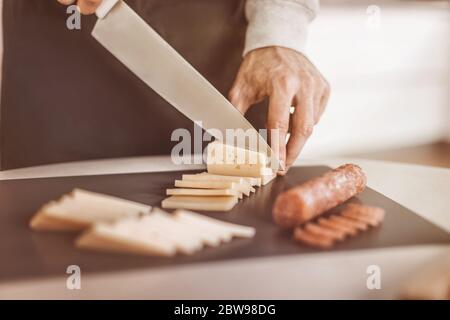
(266, 172)
(123, 238)
(200, 203)
(233, 161)
(220, 153)
(214, 224)
(80, 209)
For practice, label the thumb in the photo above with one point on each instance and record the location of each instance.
(66, 2)
(88, 6)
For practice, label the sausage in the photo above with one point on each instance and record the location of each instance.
(312, 198)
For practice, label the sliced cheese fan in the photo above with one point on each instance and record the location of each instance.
(162, 234)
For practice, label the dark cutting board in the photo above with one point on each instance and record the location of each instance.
(28, 254)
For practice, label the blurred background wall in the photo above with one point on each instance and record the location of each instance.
(388, 65)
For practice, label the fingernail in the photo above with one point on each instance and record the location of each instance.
(283, 165)
(281, 173)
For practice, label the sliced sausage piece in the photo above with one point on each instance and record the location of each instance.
(367, 214)
(325, 232)
(351, 223)
(336, 225)
(312, 198)
(312, 240)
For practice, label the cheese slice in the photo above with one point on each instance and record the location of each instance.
(205, 184)
(242, 184)
(80, 209)
(203, 192)
(254, 182)
(200, 203)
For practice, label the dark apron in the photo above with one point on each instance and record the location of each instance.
(65, 98)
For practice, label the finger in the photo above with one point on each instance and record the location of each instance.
(88, 6)
(324, 99)
(278, 123)
(302, 125)
(319, 90)
(66, 2)
(240, 98)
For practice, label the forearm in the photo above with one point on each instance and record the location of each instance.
(281, 23)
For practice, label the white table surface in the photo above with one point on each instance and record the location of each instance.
(424, 190)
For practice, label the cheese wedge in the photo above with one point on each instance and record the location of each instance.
(167, 229)
(80, 209)
(234, 229)
(120, 238)
(198, 236)
(222, 234)
(200, 203)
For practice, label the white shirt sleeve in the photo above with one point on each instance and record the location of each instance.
(281, 23)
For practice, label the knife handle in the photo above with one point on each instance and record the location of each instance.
(105, 7)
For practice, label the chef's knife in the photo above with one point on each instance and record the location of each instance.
(133, 42)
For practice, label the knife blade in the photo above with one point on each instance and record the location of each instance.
(145, 53)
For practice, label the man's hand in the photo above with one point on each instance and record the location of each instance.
(288, 79)
(86, 6)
